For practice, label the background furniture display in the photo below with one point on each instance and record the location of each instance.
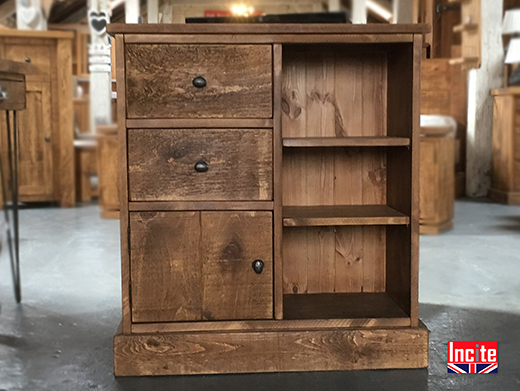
(437, 173)
(505, 174)
(511, 32)
(46, 157)
(469, 28)
(12, 101)
(269, 219)
(444, 92)
(107, 158)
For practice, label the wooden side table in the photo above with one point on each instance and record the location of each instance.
(437, 190)
(505, 173)
(12, 100)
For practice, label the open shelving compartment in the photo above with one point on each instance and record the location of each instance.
(349, 200)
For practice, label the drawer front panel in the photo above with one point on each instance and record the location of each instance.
(164, 81)
(200, 164)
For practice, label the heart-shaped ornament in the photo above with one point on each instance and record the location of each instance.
(98, 22)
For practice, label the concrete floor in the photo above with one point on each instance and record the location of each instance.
(60, 338)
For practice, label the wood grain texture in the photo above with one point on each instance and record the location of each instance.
(200, 205)
(213, 123)
(334, 92)
(230, 242)
(313, 142)
(161, 165)
(268, 325)
(437, 191)
(285, 351)
(64, 86)
(277, 181)
(334, 176)
(126, 322)
(166, 266)
(341, 305)
(296, 28)
(334, 259)
(272, 39)
(35, 160)
(107, 158)
(239, 81)
(294, 216)
(15, 90)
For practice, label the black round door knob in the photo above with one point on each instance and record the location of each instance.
(199, 82)
(47, 138)
(258, 266)
(27, 59)
(201, 166)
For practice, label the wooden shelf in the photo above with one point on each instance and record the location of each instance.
(465, 27)
(346, 142)
(308, 216)
(340, 306)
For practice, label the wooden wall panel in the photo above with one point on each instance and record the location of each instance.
(334, 176)
(333, 92)
(334, 259)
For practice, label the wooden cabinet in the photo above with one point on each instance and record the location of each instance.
(437, 193)
(108, 181)
(46, 164)
(270, 212)
(505, 172)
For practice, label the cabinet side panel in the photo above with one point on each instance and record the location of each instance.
(503, 128)
(123, 185)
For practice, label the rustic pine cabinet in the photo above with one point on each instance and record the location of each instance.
(269, 198)
(45, 159)
(505, 172)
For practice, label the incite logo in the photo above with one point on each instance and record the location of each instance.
(472, 356)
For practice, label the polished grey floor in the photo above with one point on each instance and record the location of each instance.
(60, 338)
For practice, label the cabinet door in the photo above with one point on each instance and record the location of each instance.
(231, 242)
(35, 145)
(165, 266)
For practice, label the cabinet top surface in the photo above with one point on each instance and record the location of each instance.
(36, 34)
(274, 29)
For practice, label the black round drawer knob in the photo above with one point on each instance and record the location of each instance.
(48, 139)
(201, 166)
(27, 59)
(199, 82)
(258, 266)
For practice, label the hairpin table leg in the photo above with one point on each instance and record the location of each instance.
(12, 152)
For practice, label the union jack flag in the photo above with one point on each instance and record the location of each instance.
(472, 368)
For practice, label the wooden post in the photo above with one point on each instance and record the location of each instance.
(99, 66)
(152, 7)
(403, 11)
(480, 102)
(359, 11)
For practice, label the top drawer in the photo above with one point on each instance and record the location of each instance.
(160, 81)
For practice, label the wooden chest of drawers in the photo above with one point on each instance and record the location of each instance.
(269, 198)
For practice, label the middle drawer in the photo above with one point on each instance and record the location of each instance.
(200, 164)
